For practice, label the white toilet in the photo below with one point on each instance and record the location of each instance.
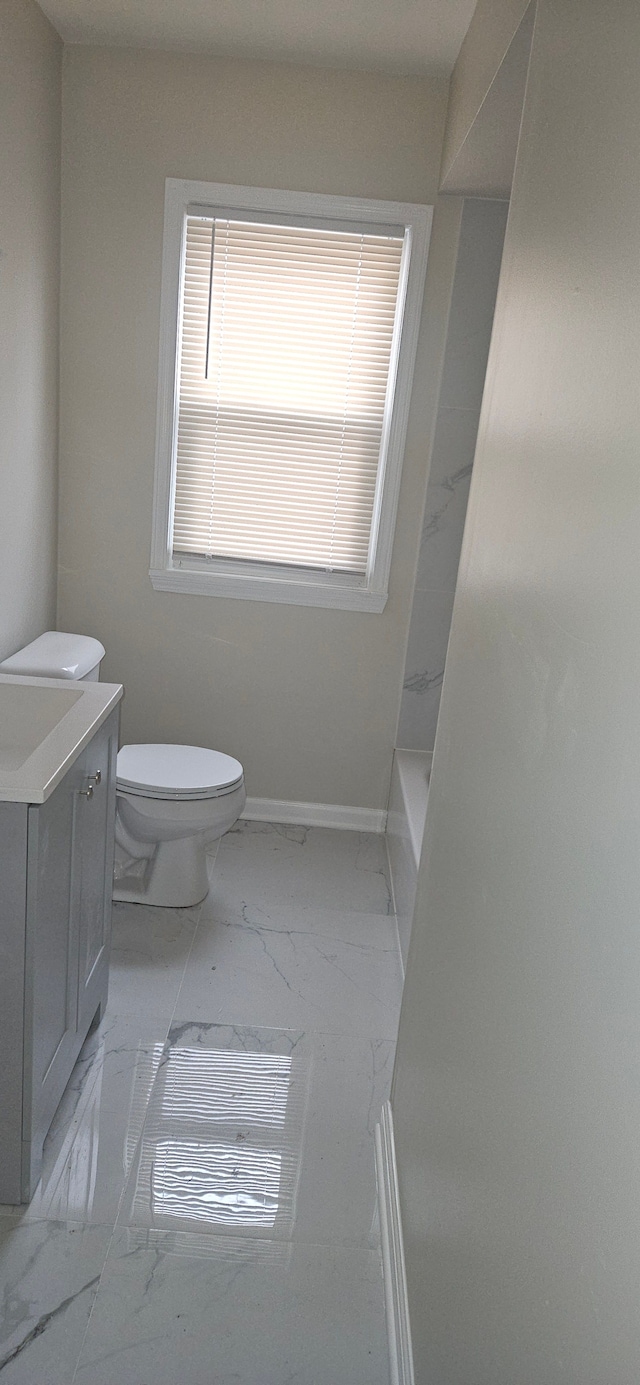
(172, 800)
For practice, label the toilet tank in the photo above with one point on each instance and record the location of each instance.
(58, 655)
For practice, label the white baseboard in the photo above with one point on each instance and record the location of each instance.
(315, 814)
(395, 1283)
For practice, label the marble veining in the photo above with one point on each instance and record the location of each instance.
(304, 867)
(424, 680)
(468, 337)
(209, 1175)
(43, 1322)
(49, 1275)
(338, 972)
(434, 517)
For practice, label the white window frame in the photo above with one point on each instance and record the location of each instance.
(262, 581)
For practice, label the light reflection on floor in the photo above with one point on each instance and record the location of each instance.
(222, 1141)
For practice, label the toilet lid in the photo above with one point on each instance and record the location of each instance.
(177, 771)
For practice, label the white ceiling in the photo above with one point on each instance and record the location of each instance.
(404, 36)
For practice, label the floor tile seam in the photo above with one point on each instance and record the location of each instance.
(317, 928)
(143, 1126)
(229, 1239)
(113, 1223)
(287, 900)
(165, 953)
(111, 1103)
(184, 969)
(387, 946)
(286, 1029)
(148, 1046)
(265, 827)
(125, 1181)
(313, 837)
(279, 1029)
(145, 1119)
(139, 1018)
(64, 1223)
(124, 958)
(95, 1300)
(291, 904)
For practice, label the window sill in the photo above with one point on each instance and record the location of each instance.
(288, 591)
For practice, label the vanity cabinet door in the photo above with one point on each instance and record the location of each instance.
(13, 868)
(68, 924)
(93, 868)
(51, 966)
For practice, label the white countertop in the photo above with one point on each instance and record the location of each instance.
(61, 726)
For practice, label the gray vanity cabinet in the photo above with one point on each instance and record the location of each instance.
(56, 909)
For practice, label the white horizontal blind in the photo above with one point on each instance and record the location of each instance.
(286, 343)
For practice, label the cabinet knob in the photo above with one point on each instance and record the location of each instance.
(95, 778)
(86, 793)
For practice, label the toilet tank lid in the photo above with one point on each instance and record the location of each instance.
(55, 655)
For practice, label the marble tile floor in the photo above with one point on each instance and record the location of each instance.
(207, 1212)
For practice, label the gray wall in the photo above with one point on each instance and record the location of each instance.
(468, 335)
(306, 698)
(517, 1084)
(30, 61)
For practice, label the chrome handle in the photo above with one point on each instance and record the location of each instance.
(92, 779)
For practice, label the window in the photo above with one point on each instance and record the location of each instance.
(288, 337)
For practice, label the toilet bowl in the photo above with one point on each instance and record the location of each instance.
(172, 801)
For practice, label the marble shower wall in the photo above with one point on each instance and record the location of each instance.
(468, 336)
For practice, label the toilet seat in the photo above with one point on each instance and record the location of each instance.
(177, 772)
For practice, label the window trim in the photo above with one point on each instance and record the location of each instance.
(258, 581)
